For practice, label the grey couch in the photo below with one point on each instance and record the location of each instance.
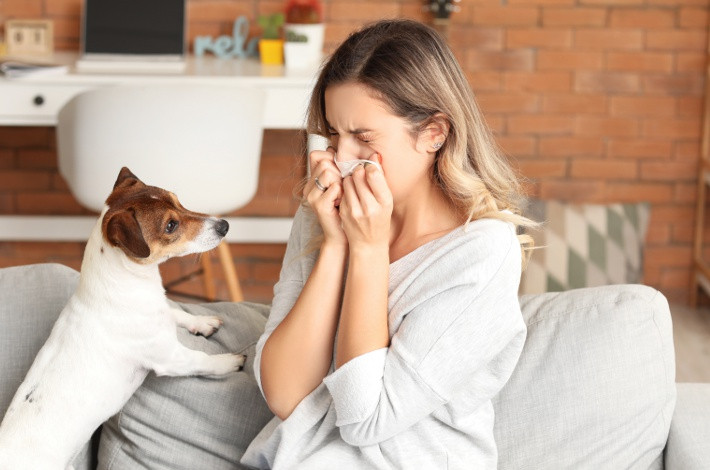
(595, 386)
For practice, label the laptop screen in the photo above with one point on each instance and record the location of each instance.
(134, 27)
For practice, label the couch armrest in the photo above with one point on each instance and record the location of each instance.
(688, 446)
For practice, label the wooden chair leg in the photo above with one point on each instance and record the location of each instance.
(230, 272)
(208, 276)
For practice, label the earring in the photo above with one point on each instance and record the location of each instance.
(437, 145)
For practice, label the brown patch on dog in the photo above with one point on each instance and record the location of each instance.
(148, 223)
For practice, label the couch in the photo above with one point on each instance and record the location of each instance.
(595, 386)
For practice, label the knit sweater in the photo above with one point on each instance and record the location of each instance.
(456, 334)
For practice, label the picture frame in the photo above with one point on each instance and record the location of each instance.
(29, 37)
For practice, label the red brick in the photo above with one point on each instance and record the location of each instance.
(37, 159)
(541, 2)
(538, 81)
(485, 80)
(690, 17)
(669, 171)
(643, 106)
(642, 148)
(673, 128)
(517, 146)
(689, 151)
(361, 10)
(505, 15)
(574, 103)
(658, 234)
(673, 84)
(573, 191)
(675, 40)
(640, 61)
(542, 168)
(611, 2)
(571, 146)
(508, 102)
(673, 213)
(11, 136)
(48, 203)
(540, 124)
(634, 192)
(668, 256)
(693, 62)
(604, 169)
(521, 59)
(577, 16)
(477, 38)
(617, 127)
(62, 8)
(608, 39)
(22, 9)
(606, 82)
(690, 106)
(686, 193)
(552, 38)
(569, 60)
(642, 17)
(24, 180)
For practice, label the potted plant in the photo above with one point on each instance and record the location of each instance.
(271, 45)
(304, 31)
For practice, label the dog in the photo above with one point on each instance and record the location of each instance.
(115, 329)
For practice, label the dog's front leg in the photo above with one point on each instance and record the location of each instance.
(182, 361)
(196, 324)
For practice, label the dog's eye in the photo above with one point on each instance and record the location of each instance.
(172, 226)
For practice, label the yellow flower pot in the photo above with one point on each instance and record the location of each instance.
(271, 51)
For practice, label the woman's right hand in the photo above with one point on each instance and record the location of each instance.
(325, 203)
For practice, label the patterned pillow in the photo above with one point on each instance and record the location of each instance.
(585, 245)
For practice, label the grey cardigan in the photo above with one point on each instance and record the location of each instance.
(425, 401)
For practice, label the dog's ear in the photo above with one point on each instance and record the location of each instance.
(126, 178)
(122, 230)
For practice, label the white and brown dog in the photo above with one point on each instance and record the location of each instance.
(115, 329)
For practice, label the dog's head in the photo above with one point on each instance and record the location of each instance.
(150, 225)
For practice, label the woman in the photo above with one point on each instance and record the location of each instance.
(386, 344)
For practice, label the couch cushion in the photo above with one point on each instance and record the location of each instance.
(193, 422)
(594, 387)
(31, 299)
(585, 245)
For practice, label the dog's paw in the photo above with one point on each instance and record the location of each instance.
(223, 364)
(205, 326)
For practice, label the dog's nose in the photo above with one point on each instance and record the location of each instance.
(222, 227)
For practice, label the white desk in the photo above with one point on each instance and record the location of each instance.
(36, 100)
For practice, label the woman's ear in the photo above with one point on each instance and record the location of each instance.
(434, 135)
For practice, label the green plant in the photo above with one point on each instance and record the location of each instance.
(270, 25)
(292, 36)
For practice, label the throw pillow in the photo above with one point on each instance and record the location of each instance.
(595, 384)
(585, 245)
(194, 422)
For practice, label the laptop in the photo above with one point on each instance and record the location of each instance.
(133, 36)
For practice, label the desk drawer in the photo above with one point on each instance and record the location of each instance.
(34, 104)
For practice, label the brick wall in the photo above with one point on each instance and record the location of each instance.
(594, 100)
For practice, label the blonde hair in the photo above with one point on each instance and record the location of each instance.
(410, 68)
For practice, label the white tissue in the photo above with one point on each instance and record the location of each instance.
(347, 167)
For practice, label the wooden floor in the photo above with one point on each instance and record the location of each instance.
(691, 334)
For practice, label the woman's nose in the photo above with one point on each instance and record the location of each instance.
(349, 151)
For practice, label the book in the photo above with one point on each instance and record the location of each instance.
(18, 69)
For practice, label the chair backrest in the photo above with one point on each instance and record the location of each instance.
(200, 141)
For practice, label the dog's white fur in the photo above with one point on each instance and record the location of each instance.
(116, 328)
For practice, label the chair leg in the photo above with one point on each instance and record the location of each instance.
(208, 276)
(230, 272)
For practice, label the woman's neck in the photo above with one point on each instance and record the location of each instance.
(421, 218)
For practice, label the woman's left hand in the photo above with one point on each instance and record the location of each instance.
(366, 209)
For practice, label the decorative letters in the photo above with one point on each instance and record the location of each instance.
(229, 46)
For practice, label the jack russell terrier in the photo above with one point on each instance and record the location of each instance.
(115, 329)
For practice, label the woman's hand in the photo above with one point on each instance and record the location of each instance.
(325, 202)
(366, 209)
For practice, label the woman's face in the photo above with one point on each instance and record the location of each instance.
(361, 126)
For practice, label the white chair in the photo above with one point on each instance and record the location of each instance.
(202, 142)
